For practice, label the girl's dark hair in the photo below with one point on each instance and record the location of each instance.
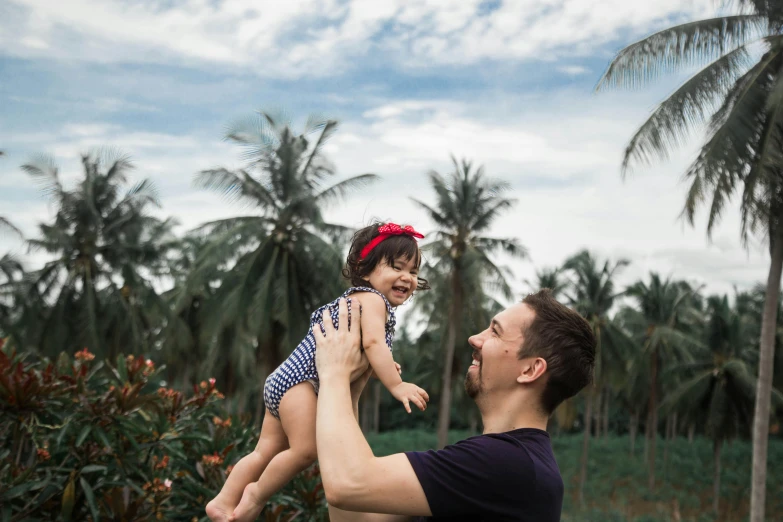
(389, 250)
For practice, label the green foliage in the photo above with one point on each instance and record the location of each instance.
(260, 275)
(88, 441)
(106, 249)
(617, 486)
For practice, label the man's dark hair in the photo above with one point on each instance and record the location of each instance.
(565, 340)
(389, 250)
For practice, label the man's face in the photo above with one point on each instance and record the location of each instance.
(495, 365)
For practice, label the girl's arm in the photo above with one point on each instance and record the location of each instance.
(373, 321)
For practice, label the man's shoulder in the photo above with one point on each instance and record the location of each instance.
(495, 474)
(488, 450)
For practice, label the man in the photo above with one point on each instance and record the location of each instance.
(532, 356)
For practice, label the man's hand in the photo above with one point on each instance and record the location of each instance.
(407, 393)
(338, 353)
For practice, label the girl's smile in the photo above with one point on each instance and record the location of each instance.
(397, 283)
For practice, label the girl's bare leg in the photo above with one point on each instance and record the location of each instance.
(271, 442)
(297, 413)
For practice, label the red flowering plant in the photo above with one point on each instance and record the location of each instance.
(86, 440)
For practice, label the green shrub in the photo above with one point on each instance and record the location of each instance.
(85, 441)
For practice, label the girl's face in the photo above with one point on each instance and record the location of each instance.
(396, 282)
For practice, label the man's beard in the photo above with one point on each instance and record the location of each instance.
(473, 384)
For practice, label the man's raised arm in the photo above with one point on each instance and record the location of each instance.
(353, 478)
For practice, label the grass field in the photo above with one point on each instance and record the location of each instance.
(616, 489)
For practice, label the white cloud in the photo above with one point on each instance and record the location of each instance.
(573, 70)
(316, 37)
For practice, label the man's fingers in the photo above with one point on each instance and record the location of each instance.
(342, 312)
(326, 321)
(318, 333)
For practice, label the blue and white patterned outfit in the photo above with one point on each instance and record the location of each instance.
(300, 365)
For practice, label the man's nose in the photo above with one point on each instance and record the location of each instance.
(475, 341)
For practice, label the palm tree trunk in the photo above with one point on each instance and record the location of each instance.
(241, 403)
(764, 386)
(597, 412)
(634, 428)
(606, 413)
(444, 411)
(647, 424)
(691, 432)
(716, 484)
(653, 409)
(365, 417)
(585, 443)
(269, 360)
(667, 439)
(674, 425)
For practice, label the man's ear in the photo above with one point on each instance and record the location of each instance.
(531, 369)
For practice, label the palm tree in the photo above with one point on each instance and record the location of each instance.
(719, 385)
(592, 293)
(739, 94)
(285, 259)
(663, 325)
(97, 290)
(467, 203)
(11, 274)
(5, 224)
(474, 315)
(183, 340)
(551, 278)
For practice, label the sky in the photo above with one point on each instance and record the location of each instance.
(509, 85)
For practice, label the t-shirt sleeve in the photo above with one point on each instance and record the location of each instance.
(478, 475)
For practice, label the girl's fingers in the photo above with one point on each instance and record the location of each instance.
(424, 395)
(407, 404)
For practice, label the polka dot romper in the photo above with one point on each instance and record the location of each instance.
(300, 365)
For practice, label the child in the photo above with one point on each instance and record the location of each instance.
(382, 266)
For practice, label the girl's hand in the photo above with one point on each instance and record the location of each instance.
(407, 392)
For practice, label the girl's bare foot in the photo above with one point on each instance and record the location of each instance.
(218, 512)
(249, 507)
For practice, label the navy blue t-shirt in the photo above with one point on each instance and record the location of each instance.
(509, 476)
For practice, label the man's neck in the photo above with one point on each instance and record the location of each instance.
(512, 413)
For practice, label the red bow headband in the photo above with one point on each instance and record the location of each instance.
(385, 232)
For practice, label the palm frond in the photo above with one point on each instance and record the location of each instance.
(44, 172)
(673, 120)
(728, 152)
(341, 189)
(680, 47)
(7, 225)
(328, 129)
